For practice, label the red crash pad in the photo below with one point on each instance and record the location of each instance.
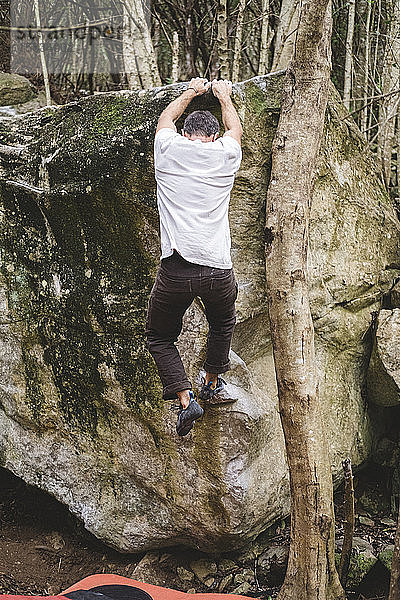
(155, 591)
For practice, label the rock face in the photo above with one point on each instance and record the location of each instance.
(395, 295)
(81, 415)
(384, 366)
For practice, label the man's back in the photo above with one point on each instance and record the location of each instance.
(194, 180)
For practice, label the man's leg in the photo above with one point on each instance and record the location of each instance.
(167, 305)
(219, 304)
(184, 398)
(211, 378)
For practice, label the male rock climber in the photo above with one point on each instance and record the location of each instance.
(194, 173)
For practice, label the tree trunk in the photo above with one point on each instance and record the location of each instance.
(286, 34)
(238, 41)
(348, 525)
(311, 572)
(156, 38)
(175, 57)
(266, 38)
(377, 40)
(360, 57)
(394, 592)
(191, 70)
(139, 56)
(364, 112)
(376, 27)
(5, 47)
(129, 54)
(398, 161)
(222, 39)
(349, 54)
(42, 55)
(389, 104)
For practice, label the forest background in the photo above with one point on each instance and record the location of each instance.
(142, 45)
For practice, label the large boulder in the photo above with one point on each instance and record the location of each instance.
(81, 414)
(15, 89)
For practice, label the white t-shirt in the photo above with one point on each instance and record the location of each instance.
(194, 180)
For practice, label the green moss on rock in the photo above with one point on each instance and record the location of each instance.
(360, 565)
(385, 557)
(86, 281)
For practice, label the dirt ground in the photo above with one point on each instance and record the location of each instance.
(44, 549)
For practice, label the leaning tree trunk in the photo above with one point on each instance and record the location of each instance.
(311, 572)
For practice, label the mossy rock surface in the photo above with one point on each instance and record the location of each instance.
(362, 561)
(386, 556)
(360, 566)
(15, 89)
(81, 413)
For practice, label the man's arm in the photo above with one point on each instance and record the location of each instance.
(176, 108)
(222, 90)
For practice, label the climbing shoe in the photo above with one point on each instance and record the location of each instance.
(187, 416)
(207, 392)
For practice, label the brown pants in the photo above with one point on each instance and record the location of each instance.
(177, 283)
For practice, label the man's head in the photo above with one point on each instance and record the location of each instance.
(201, 125)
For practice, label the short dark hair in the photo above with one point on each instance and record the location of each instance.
(201, 122)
